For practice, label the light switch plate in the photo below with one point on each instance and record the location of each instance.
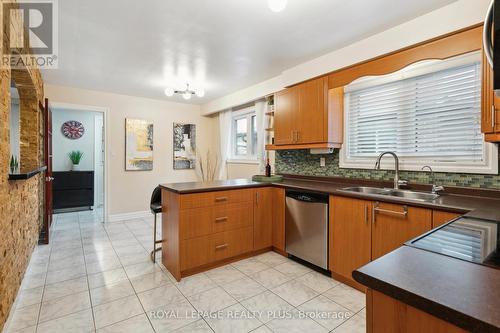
(322, 161)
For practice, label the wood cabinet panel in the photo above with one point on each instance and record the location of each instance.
(195, 222)
(388, 315)
(198, 200)
(279, 219)
(311, 115)
(263, 218)
(195, 252)
(391, 227)
(440, 217)
(286, 105)
(349, 235)
(231, 243)
(233, 216)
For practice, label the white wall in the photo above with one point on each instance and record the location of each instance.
(62, 145)
(458, 15)
(130, 191)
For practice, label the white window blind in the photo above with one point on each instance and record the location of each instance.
(431, 117)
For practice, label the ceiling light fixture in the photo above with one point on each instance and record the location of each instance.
(186, 93)
(277, 5)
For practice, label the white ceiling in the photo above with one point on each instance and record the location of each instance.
(139, 47)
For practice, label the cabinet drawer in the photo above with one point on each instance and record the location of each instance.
(215, 198)
(196, 222)
(195, 252)
(232, 216)
(231, 243)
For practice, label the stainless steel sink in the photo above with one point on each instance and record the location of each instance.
(410, 195)
(367, 190)
(422, 196)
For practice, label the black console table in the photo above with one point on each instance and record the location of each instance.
(73, 189)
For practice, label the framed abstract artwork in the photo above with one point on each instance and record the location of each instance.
(184, 146)
(138, 145)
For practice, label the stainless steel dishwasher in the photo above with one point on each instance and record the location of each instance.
(306, 227)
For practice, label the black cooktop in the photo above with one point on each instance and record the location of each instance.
(465, 238)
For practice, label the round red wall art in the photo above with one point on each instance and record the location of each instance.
(72, 129)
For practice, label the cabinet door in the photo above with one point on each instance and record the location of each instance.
(490, 106)
(311, 115)
(286, 104)
(440, 218)
(279, 219)
(263, 218)
(349, 235)
(395, 224)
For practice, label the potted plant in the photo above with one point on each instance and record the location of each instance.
(75, 156)
(14, 164)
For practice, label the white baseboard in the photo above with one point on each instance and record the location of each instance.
(128, 216)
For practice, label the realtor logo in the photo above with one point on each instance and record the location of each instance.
(31, 28)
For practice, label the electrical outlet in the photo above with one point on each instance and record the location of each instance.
(322, 162)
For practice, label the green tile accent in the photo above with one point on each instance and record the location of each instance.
(301, 162)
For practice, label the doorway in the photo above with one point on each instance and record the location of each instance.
(79, 164)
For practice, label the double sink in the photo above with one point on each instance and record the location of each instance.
(410, 195)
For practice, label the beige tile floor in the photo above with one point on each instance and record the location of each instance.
(97, 277)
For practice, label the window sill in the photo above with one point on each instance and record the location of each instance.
(242, 161)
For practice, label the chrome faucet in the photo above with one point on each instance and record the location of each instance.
(435, 188)
(397, 181)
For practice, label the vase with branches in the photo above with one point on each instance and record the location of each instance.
(208, 164)
(75, 156)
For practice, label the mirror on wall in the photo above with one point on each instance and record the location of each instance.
(15, 129)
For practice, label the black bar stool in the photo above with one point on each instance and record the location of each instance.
(155, 207)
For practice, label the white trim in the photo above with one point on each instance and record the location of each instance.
(107, 140)
(246, 113)
(129, 216)
(242, 161)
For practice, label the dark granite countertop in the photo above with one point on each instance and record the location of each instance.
(460, 292)
(473, 206)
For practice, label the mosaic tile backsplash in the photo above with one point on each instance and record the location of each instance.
(301, 162)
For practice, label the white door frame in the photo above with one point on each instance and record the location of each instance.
(105, 112)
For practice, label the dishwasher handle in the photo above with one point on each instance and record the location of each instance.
(308, 197)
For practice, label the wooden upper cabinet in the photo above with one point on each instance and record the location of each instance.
(263, 218)
(349, 236)
(393, 225)
(286, 104)
(490, 106)
(309, 114)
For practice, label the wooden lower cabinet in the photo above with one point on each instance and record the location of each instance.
(440, 218)
(263, 218)
(361, 231)
(203, 230)
(393, 225)
(278, 212)
(349, 236)
(230, 244)
(388, 315)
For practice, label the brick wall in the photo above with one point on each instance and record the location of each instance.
(20, 201)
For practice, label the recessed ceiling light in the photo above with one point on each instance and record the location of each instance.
(277, 5)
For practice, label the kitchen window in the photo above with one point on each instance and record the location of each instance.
(244, 135)
(428, 113)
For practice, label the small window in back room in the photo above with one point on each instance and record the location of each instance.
(244, 135)
(428, 113)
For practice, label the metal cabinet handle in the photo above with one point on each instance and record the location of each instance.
(220, 247)
(221, 199)
(386, 211)
(366, 214)
(298, 137)
(256, 198)
(221, 219)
